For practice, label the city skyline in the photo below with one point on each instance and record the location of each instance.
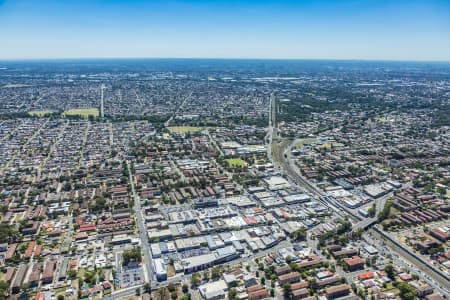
(364, 30)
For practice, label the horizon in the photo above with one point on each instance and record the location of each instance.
(204, 29)
(71, 59)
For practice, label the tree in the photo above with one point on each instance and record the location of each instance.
(9, 233)
(372, 210)
(60, 297)
(286, 289)
(299, 234)
(4, 289)
(72, 274)
(389, 269)
(215, 272)
(147, 288)
(132, 255)
(441, 190)
(195, 279)
(4, 208)
(384, 214)
(206, 275)
(407, 291)
(232, 293)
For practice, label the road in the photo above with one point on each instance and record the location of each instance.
(176, 168)
(425, 273)
(142, 229)
(128, 292)
(167, 123)
(83, 144)
(41, 127)
(186, 278)
(272, 123)
(213, 141)
(401, 257)
(367, 222)
(52, 148)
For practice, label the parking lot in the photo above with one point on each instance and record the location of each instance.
(130, 277)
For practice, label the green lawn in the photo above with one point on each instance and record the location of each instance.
(83, 112)
(236, 162)
(381, 120)
(184, 129)
(40, 113)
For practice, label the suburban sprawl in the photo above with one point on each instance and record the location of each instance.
(224, 179)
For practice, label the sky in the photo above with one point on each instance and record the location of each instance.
(282, 29)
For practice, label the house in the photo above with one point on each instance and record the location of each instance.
(337, 291)
(18, 279)
(422, 289)
(31, 227)
(10, 272)
(282, 270)
(434, 296)
(345, 253)
(33, 279)
(365, 276)
(257, 294)
(198, 263)
(213, 290)
(299, 285)
(354, 263)
(160, 269)
(405, 277)
(440, 234)
(289, 278)
(49, 270)
(300, 294)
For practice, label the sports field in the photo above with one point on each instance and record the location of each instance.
(236, 162)
(40, 113)
(83, 112)
(184, 129)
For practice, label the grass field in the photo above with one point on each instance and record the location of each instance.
(184, 129)
(382, 120)
(40, 113)
(236, 162)
(84, 112)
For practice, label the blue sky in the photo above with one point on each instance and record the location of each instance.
(371, 29)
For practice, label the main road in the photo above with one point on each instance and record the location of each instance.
(399, 254)
(148, 270)
(142, 229)
(272, 122)
(167, 123)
